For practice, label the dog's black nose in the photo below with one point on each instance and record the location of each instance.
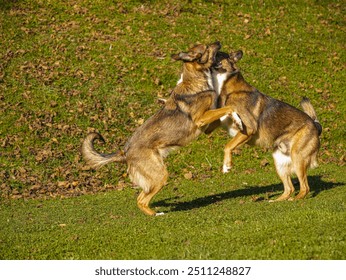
(217, 43)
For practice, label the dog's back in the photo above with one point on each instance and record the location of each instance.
(168, 128)
(279, 121)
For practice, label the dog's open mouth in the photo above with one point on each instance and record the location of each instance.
(214, 48)
(219, 56)
(217, 65)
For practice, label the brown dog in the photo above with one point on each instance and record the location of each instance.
(189, 107)
(261, 120)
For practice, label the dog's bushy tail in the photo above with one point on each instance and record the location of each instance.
(310, 111)
(95, 159)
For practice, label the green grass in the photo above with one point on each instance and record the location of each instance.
(219, 221)
(69, 67)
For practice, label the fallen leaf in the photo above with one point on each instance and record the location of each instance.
(264, 162)
(188, 175)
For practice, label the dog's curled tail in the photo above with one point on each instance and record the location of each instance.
(310, 111)
(95, 159)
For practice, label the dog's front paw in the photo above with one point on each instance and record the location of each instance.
(160, 214)
(226, 168)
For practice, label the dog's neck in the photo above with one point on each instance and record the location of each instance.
(194, 82)
(229, 83)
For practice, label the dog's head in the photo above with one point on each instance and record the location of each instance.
(200, 57)
(226, 63)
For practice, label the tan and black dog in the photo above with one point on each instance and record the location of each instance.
(189, 107)
(267, 122)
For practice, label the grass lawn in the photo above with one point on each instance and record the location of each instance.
(71, 67)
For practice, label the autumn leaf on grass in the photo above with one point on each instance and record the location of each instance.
(188, 175)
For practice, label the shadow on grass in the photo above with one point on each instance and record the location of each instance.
(317, 185)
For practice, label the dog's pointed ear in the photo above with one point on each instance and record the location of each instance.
(204, 58)
(190, 56)
(236, 56)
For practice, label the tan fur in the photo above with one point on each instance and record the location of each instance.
(270, 123)
(182, 118)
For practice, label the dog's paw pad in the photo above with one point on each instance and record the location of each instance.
(160, 214)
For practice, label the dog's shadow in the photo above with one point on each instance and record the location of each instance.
(317, 185)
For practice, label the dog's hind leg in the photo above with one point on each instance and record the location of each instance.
(301, 165)
(144, 199)
(304, 154)
(301, 171)
(151, 175)
(283, 165)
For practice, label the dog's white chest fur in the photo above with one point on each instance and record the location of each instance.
(219, 80)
